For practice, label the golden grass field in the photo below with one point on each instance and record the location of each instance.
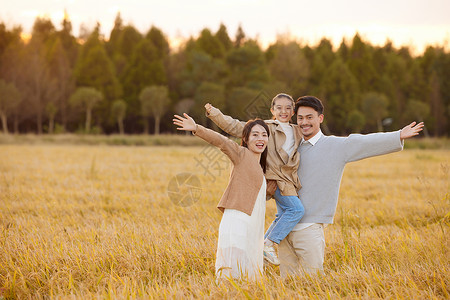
(96, 222)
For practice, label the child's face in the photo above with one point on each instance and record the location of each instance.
(283, 110)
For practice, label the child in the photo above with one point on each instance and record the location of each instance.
(241, 231)
(282, 164)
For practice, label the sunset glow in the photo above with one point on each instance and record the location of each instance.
(415, 23)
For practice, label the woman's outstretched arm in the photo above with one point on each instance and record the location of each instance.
(227, 146)
(186, 123)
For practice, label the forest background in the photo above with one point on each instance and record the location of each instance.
(133, 82)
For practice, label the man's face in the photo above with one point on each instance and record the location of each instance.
(309, 121)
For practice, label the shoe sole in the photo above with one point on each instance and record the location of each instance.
(271, 262)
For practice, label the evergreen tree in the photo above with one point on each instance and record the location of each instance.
(361, 65)
(210, 44)
(8, 37)
(176, 64)
(436, 103)
(223, 37)
(43, 29)
(145, 68)
(290, 66)
(395, 87)
(68, 41)
(341, 92)
(129, 38)
(113, 44)
(380, 58)
(436, 64)
(343, 51)
(95, 69)
(239, 38)
(247, 67)
(159, 40)
(325, 50)
(199, 67)
(322, 57)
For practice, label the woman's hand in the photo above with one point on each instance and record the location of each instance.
(411, 130)
(186, 123)
(208, 108)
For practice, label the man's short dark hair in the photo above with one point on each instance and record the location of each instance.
(309, 101)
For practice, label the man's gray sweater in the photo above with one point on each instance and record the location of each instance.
(322, 165)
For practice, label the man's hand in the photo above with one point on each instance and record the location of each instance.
(208, 108)
(271, 187)
(411, 130)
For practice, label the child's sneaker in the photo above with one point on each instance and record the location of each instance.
(270, 255)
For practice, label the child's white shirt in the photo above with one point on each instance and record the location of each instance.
(288, 145)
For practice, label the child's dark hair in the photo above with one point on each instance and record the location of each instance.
(281, 95)
(309, 101)
(246, 134)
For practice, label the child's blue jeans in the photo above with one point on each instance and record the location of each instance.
(290, 210)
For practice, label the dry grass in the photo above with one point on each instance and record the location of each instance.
(96, 222)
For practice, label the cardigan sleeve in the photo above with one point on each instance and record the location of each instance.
(227, 146)
(231, 126)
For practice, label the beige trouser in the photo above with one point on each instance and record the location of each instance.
(302, 251)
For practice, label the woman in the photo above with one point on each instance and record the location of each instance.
(241, 232)
(283, 159)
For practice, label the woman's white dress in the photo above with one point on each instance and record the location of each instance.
(241, 241)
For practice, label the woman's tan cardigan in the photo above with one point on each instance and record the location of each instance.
(280, 167)
(246, 176)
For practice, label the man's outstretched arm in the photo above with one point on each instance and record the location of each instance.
(360, 146)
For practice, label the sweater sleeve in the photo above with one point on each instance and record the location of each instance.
(359, 146)
(227, 146)
(231, 126)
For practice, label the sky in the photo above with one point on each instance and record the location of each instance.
(415, 23)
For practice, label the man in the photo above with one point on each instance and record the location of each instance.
(322, 162)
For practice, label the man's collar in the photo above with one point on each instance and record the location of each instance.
(315, 138)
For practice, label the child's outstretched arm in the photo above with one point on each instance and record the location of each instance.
(227, 146)
(226, 123)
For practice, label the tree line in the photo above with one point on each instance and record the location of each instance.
(134, 82)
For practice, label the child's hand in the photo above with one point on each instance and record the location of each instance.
(208, 108)
(186, 123)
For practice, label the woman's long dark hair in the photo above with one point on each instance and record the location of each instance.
(246, 134)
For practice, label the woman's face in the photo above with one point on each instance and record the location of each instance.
(283, 109)
(258, 139)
